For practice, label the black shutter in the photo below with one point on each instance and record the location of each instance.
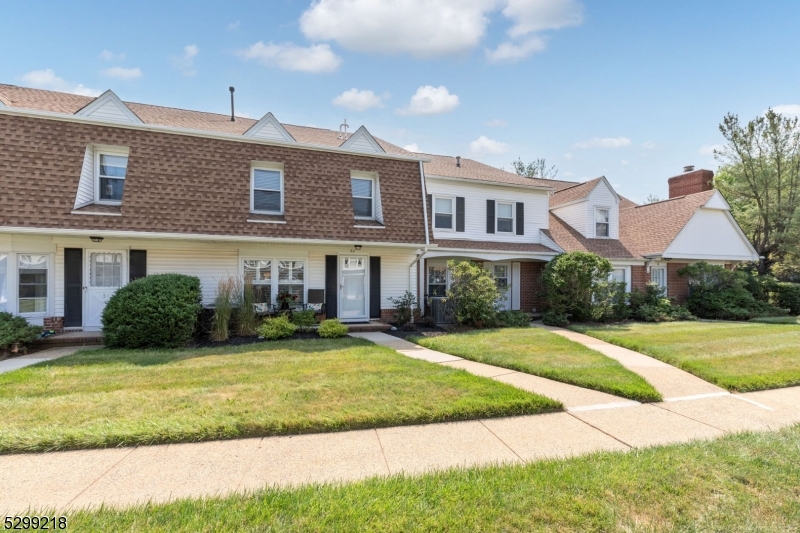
(520, 218)
(489, 216)
(73, 287)
(374, 287)
(460, 213)
(138, 264)
(331, 285)
(430, 211)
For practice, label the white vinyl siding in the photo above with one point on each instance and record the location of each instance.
(475, 196)
(362, 144)
(85, 194)
(711, 234)
(574, 215)
(4, 307)
(602, 197)
(210, 265)
(110, 110)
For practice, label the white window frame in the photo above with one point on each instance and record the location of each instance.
(274, 282)
(274, 167)
(373, 197)
(625, 276)
(7, 291)
(115, 153)
(14, 297)
(497, 216)
(601, 208)
(661, 268)
(452, 200)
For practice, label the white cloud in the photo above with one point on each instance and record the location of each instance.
(185, 62)
(430, 100)
(708, 149)
(604, 142)
(791, 110)
(568, 156)
(233, 25)
(122, 73)
(411, 147)
(47, 79)
(532, 16)
(355, 100)
(484, 145)
(648, 145)
(289, 56)
(509, 51)
(108, 55)
(418, 27)
(496, 123)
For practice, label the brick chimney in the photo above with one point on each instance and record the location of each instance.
(690, 182)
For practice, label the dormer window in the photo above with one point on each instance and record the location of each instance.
(266, 189)
(601, 222)
(505, 217)
(363, 197)
(111, 170)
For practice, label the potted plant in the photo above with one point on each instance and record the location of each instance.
(285, 300)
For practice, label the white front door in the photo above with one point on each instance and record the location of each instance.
(502, 276)
(353, 288)
(105, 272)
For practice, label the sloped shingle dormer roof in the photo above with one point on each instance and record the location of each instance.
(3, 101)
(579, 192)
(571, 240)
(649, 229)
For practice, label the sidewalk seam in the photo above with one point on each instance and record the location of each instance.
(601, 431)
(501, 440)
(690, 418)
(98, 478)
(383, 453)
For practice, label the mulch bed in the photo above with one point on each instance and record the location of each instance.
(420, 330)
(205, 342)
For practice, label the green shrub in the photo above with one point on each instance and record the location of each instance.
(571, 281)
(223, 310)
(719, 293)
(552, 318)
(513, 319)
(304, 320)
(610, 301)
(15, 333)
(404, 307)
(651, 305)
(332, 329)
(244, 297)
(787, 296)
(473, 295)
(158, 311)
(276, 328)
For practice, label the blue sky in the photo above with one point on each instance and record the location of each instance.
(630, 90)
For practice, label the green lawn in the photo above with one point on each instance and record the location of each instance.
(739, 356)
(539, 352)
(739, 483)
(104, 398)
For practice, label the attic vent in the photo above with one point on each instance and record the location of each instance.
(458, 161)
(688, 168)
(343, 130)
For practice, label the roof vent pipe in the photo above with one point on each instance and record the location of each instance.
(688, 168)
(233, 118)
(458, 161)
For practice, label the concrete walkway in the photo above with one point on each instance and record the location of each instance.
(126, 476)
(574, 398)
(671, 382)
(50, 354)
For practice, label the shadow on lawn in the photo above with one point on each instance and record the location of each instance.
(108, 356)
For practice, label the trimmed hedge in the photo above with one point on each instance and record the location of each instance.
(158, 311)
(787, 296)
(15, 333)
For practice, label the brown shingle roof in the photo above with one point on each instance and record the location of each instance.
(443, 165)
(649, 229)
(493, 245)
(575, 192)
(625, 203)
(571, 240)
(56, 102)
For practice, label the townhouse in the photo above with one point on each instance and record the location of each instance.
(96, 192)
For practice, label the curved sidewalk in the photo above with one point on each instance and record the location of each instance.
(673, 383)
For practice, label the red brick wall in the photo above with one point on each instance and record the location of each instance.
(55, 323)
(677, 286)
(639, 277)
(690, 183)
(530, 287)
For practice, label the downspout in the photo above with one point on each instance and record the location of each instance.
(424, 203)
